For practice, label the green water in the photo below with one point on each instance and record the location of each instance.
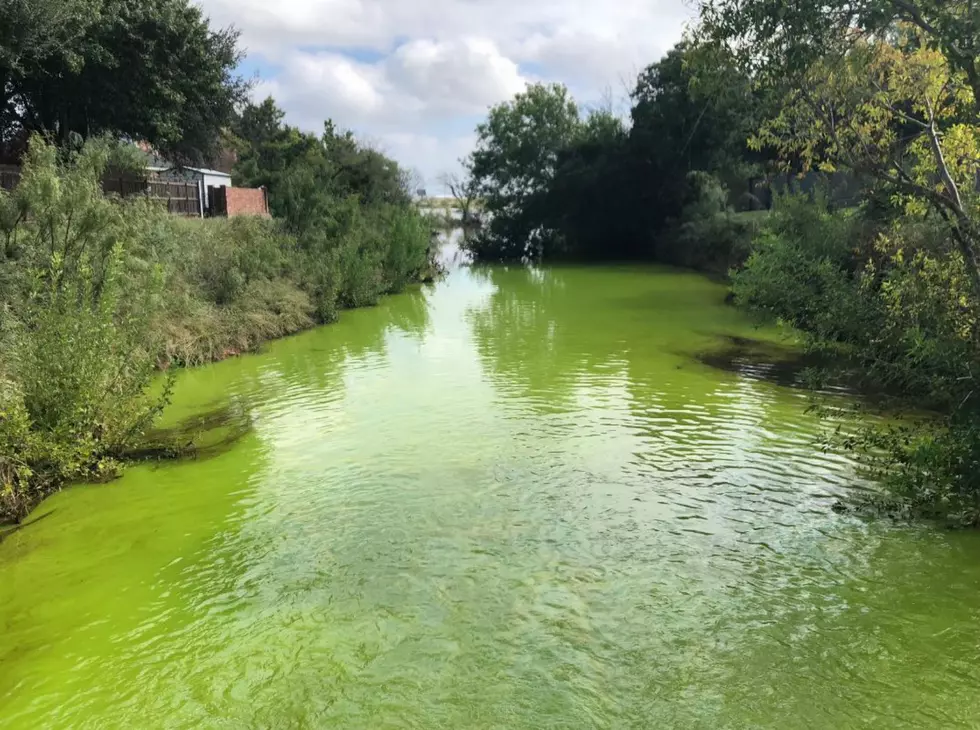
(514, 499)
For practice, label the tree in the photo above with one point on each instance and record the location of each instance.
(893, 110)
(360, 170)
(33, 31)
(306, 174)
(553, 183)
(463, 190)
(515, 159)
(146, 69)
(591, 201)
(778, 40)
(693, 110)
(259, 124)
(268, 148)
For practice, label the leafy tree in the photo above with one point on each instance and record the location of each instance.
(146, 69)
(260, 124)
(268, 149)
(693, 110)
(895, 111)
(301, 170)
(34, 31)
(365, 172)
(590, 203)
(555, 184)
(779, 40)
(515, 160)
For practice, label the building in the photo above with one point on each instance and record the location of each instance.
(202, 176)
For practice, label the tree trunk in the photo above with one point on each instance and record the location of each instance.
(966, 238)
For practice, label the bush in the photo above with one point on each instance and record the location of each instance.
(97, 293)
(708, 236)
(408, 239)
(77, 358)
(925, 469)
(891, 299)
(805, 270)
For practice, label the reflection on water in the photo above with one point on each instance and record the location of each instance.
(515, 498)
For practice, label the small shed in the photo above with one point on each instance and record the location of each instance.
(203, 176)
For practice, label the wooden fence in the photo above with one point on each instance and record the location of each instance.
(179, 198)
(9, 177)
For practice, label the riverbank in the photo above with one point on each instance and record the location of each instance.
(98, 294)
(877, 269)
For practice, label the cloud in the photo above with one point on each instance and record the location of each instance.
(454, 77)
(420, 74)
(312, 87)
(419, 82)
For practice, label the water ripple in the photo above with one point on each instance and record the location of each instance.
(513, 499)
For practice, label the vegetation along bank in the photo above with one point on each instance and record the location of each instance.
(825, 157)
(98, 293)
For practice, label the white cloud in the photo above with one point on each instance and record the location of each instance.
(413, 72)
(314, 86)
(430, 155)
(420, 82)
(459, 76)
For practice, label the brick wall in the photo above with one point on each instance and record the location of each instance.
(246, 201)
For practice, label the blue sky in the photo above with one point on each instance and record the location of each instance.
(413, 77)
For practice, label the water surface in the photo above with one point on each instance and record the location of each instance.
(514, 499)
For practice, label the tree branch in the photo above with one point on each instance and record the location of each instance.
(937, 151)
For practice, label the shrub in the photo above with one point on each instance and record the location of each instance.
(708, 236)
(926, 468)
(804, 270)
(892, 299)
(97, 292)
(408, 241)
(78, 361)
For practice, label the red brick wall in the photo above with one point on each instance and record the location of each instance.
(246, 201)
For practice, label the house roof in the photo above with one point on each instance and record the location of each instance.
(221, 163)
(202, 170)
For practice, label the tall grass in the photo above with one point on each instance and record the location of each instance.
(97, 294)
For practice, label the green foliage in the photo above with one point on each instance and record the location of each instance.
(513, 165)
(887, 90)
(146, 69)
(346, 206)
(891, 110)
(405, 237)
(97, 293)
(694, 110)
(77, 364)
(589, 202)
(803, 269)
(779, 41)
(223, 257)
(557, 185)
(895, 298)
(893, 301)
(926, 469)
(708, 236)
(304, 173)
